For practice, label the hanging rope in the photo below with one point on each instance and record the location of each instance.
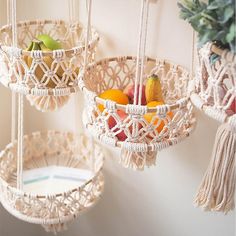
(89, 10)
(145, 27)
(12, 10)
(20, 142)
(72, 10)
(13, 95)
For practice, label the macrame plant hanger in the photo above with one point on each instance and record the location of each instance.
(43, 149)
(124, 125)
(217, 189)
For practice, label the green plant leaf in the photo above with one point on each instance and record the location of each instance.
(232, 32)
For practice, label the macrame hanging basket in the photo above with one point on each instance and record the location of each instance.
(125, 126)
(214, 92)
(51, 77)
(45, 149)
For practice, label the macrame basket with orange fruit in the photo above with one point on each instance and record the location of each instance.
(213, 90)
(139, 104)
(48, 76)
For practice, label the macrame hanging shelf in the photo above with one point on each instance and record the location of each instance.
(213, 90)
(50, 177)
(47, 78)
(138, 129)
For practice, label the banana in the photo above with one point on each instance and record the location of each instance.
(153, 90)
(37, 45)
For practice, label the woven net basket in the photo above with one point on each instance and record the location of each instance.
(214, 87)
(142, 139)
(51, 148)
(51, 76)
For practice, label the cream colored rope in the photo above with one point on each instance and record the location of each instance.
(141, 50)
(13, 97)
(89, 6)
(12, 9)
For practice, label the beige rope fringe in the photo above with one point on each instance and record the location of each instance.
(216, 192)
(213, 91)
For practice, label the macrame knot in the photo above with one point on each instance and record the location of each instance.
(206, 51)
(182, 102)
(36, 54)
(232, 123)
(135, 147)
(77, 51)
(108, 140)
(136, 109)
(59, 54)
(80, 82)
(110, 105)
(216, 114)
(16, 52)
(162, 109)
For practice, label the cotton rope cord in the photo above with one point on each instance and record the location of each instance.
(20, 106)
(20, 142)
(89, 5)
(13, 95)
(143, 51)
(72, 10)
(89, 12)
(138, 62)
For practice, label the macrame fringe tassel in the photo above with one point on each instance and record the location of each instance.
(55, 228)
(137, 160)
(47, 103)
(216, 192)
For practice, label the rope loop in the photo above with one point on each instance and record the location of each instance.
(163, 109)
(59, 54)
(135, 147)
(136, 109)
(182, 102)
(110, 105)
(36, 54)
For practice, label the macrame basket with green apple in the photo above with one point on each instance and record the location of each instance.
(139, 104)
(49, 177)
(213, 90)
(46, 62)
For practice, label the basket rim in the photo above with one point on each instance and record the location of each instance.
(24, 193)
(229, 55)
(217, 114)
(178, 104)
(42, 221)
(68, 52)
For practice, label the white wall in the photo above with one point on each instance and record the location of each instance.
(158, 201)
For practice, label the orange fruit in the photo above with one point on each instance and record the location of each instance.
(149, 116)
(115, 95)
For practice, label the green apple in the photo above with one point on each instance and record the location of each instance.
(49, 42)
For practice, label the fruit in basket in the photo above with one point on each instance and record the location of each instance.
(129, 91)
(39, 72)
(112, 123)
(49, 42)
(233, 106)
(150, 117)
(115, 95)
(153, 89)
